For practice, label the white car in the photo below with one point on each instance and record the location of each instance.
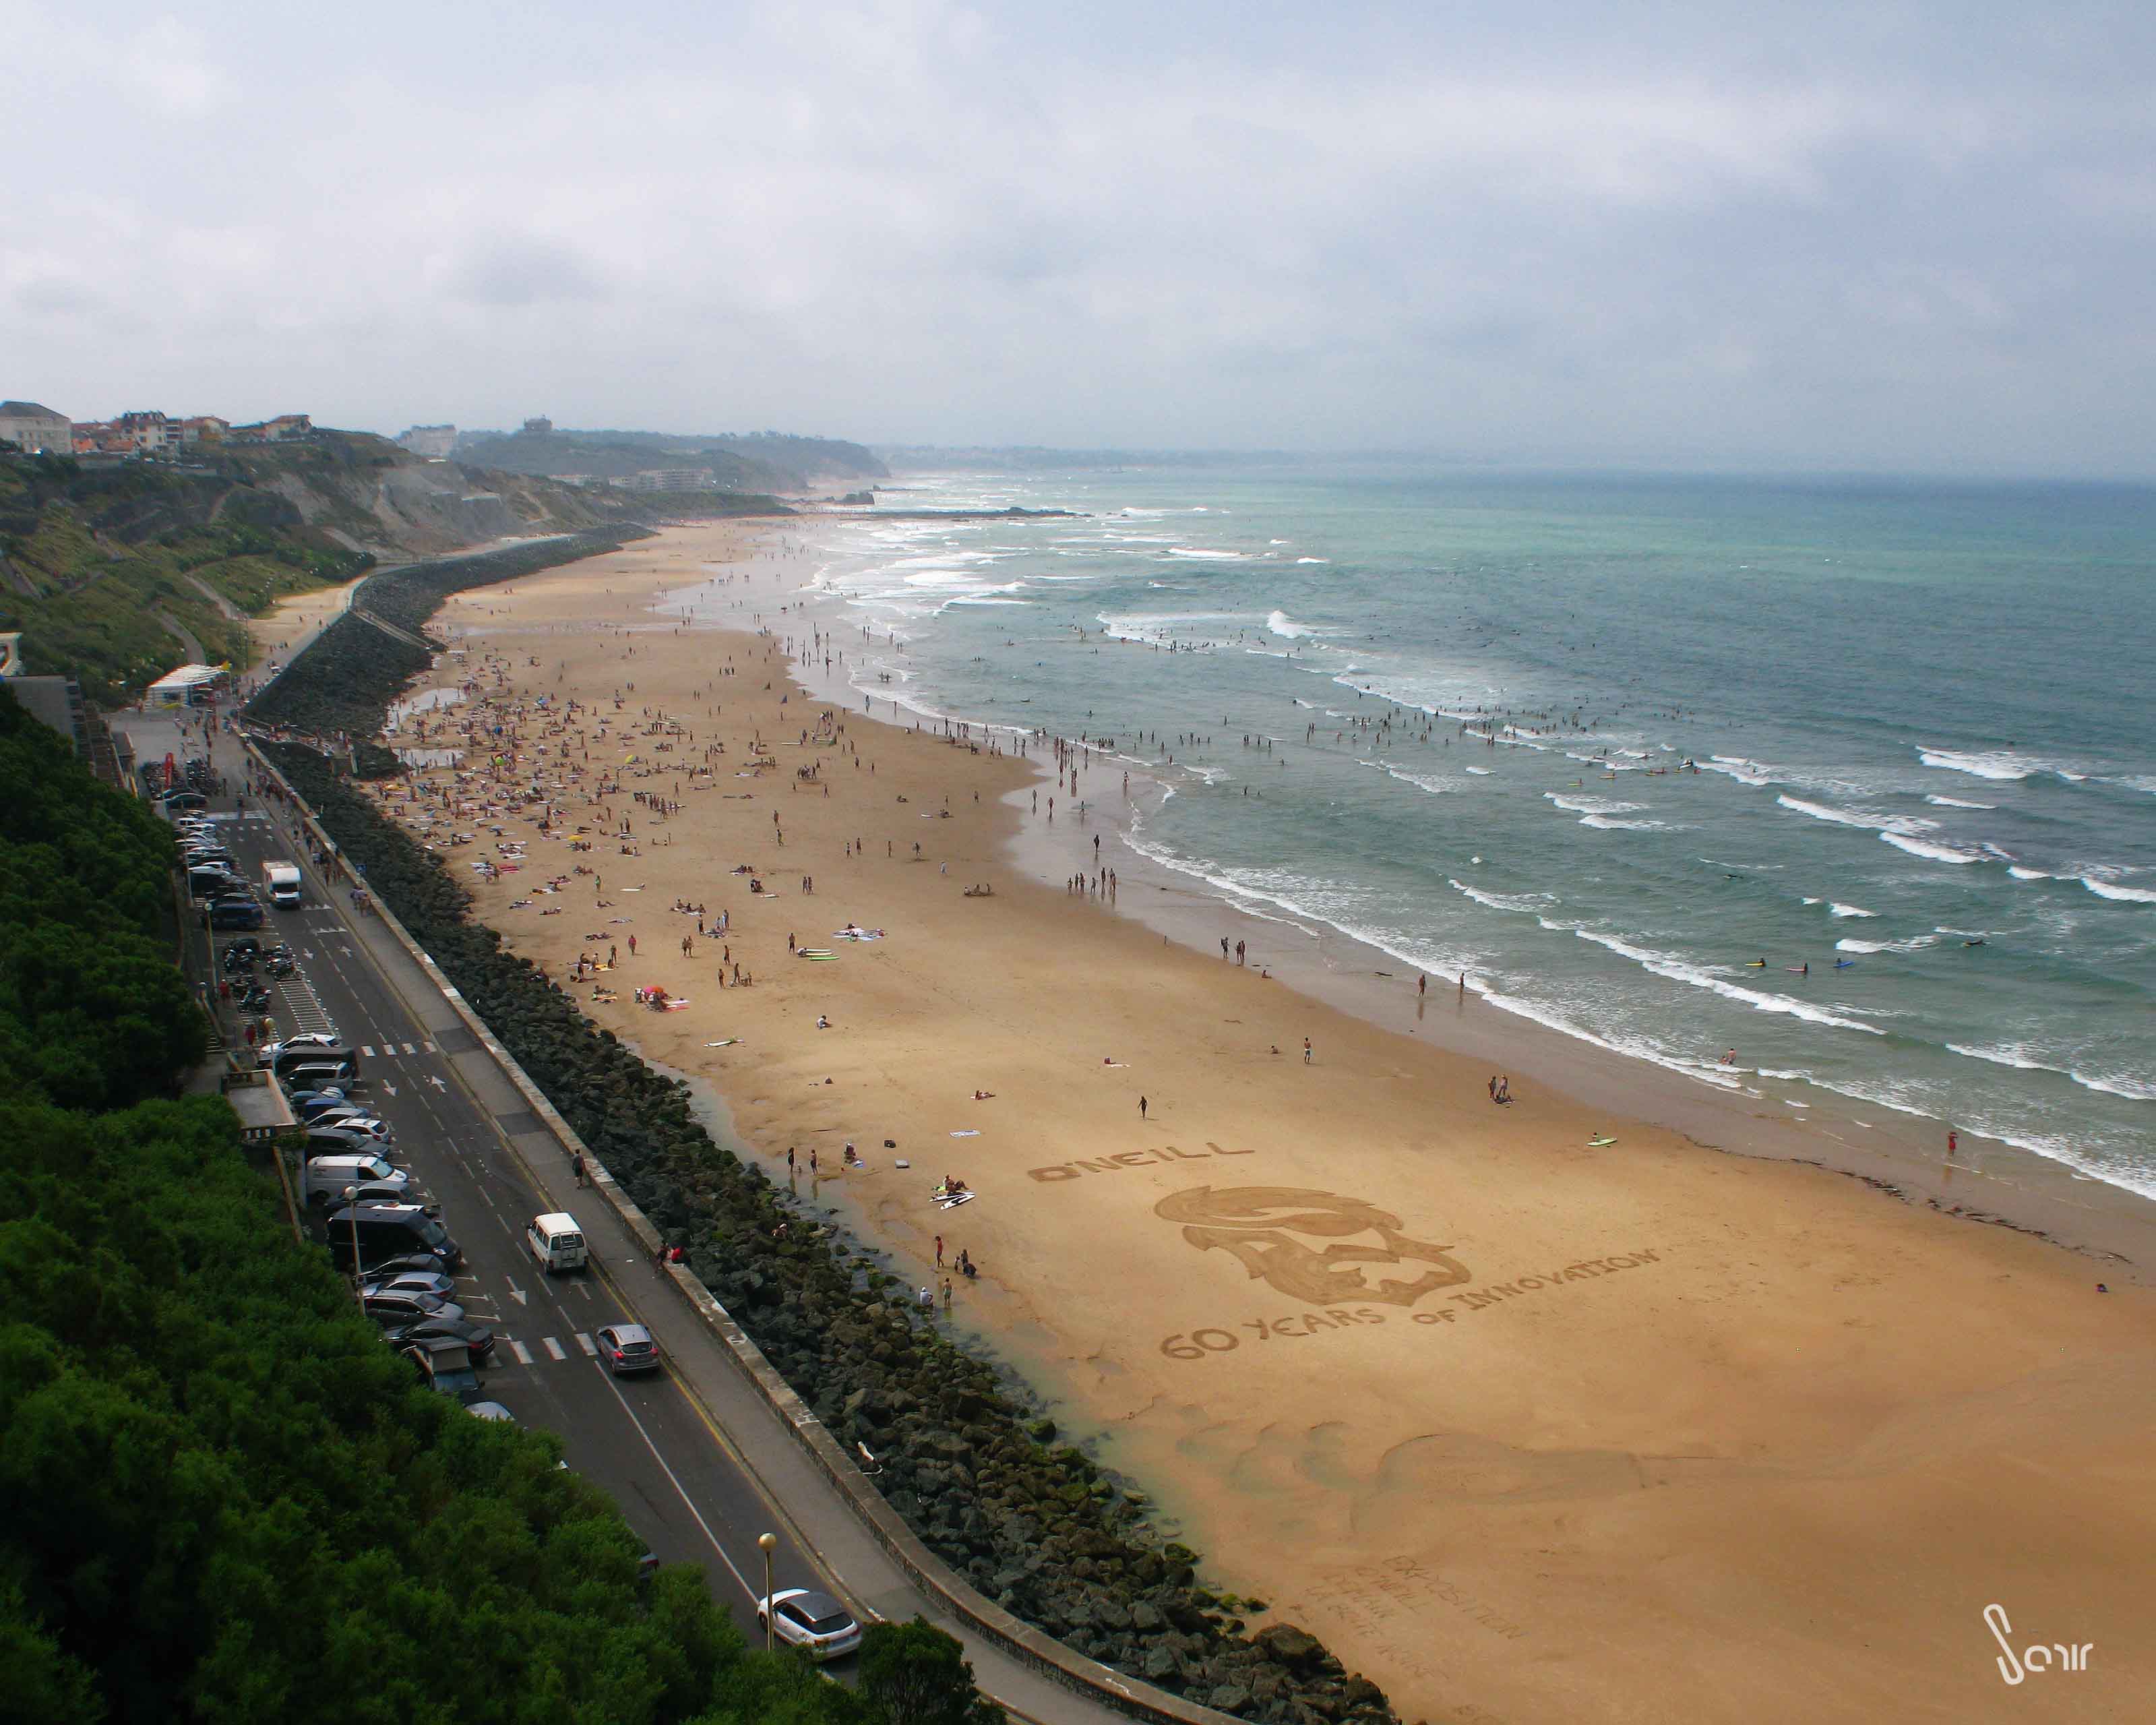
(813, 1620)
(268, 1053)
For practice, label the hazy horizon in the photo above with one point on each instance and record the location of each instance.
(1908, 241)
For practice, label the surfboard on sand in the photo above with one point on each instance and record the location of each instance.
(1601, 1143)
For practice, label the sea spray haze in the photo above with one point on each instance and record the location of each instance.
(1925, 768)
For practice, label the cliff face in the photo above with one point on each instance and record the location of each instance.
(115, 574)
(765, 462)
(367, 495)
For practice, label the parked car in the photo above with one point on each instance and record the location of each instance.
(360, 1131)
(172, 800)
(387, 1233)
(408, 1261)
(627, 1347)
(813, 1620)
(408, 1308)
(490, 1411)
(410, 1282)
(315, 1075)
(476, 1336)
(267, 1054)
(308, 1104)
(297, 1050)
(236, 913)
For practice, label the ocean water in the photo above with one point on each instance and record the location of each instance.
(1603, 743)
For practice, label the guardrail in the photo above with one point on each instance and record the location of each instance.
(928, 1571)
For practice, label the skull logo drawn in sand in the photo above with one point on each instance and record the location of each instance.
(1267, 1227)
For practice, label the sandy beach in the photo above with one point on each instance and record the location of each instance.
(1533, 1411)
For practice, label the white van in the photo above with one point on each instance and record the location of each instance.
(557, 1242)
(324, 1179)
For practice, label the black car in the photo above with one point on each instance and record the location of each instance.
(409, 1308)
(476, 1338)
(235, 913)
(183, 800)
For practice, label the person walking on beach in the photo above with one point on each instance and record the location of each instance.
(1308, 1053)
(632, 945)
(1142, 1107)
(939, 1251)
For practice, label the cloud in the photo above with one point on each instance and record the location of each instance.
(1850, 235)
(524, 269)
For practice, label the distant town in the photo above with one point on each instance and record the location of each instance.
(40, 430)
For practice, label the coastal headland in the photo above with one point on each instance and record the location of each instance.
(1531, 1410)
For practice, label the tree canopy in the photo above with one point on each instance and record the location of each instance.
(222, 1498)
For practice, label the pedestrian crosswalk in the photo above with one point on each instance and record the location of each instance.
(526, 1354)
(390, 1049)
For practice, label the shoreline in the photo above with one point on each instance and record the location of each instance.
(1624, 1373)
(1989, 1181)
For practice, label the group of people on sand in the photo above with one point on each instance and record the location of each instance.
(1501, 1088)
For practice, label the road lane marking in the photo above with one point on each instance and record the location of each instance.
(366, 1049)
(409, 1049)
(517, 1294)
(523, 1354)
(553, 1348)
(591, 1347)
(687, 1500)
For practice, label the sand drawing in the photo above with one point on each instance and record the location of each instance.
(1263, 1226)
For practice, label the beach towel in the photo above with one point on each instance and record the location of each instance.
(951, 1203)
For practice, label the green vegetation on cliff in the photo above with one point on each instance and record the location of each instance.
(109, 572)
(221, 1496)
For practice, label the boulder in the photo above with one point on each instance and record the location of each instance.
(1294, 1648)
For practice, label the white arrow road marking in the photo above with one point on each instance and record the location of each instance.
(389, 1090)
(518, 1295)
(436, 1082)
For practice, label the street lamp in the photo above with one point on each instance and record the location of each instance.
(767, 1543)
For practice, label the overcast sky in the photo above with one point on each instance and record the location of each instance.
(1914, 238)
